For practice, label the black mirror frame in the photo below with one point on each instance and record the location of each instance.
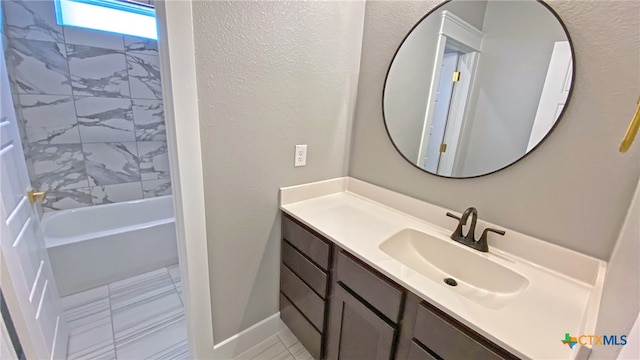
(564, 109)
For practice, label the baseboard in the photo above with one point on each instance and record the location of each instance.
(246, 339)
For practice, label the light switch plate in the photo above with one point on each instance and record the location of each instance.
(300, 158)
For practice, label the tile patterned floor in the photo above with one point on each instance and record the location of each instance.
(283, 346)
(141, 317)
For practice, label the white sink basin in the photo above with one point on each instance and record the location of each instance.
(478, 277)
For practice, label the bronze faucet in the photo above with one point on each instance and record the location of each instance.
(469, 239)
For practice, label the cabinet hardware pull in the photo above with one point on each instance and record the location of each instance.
(632, 130)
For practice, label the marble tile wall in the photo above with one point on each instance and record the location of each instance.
(90, 109)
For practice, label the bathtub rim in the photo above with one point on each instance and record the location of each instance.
(51, 241)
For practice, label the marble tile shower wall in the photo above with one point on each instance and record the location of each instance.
(90, 108)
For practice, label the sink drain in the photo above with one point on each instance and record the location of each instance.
(450, 282)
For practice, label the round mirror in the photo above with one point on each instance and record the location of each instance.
(476, 85)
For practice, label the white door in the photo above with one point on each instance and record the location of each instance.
(458, 114)
(554, 92)
(23, 257)
(441, 112)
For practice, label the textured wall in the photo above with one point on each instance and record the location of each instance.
(270, 75)
(575, 189)
(90, 108)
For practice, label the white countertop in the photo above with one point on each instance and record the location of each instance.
(564, 288)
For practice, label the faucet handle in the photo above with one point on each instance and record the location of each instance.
(484, 233)
(453, 216)
(457, 233)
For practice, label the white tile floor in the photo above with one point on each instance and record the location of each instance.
(141, 317)
(283, 346)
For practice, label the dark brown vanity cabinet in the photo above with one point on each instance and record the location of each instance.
(430, 334)
(364, 312)
(304, 284)
(356, 331)
(342, 309)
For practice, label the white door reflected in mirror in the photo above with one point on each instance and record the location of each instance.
(476, 85)
(454, 66)
(435, 136)
(554, 93)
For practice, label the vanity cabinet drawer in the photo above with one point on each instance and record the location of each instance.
(371, 286)
(449, 339)
(309, 303)
(309, 337)
(311, 274)
(309, 244)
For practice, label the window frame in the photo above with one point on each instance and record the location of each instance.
(75, 13)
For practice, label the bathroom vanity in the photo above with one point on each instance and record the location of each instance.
(363, 270)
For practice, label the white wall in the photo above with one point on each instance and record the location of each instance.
(509, 82)
(409, 82)
(631, 351)
(575, 189)
(177, 60)
(621, 294)
(270, 75)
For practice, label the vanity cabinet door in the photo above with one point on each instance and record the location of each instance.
(356, 332)
(427, 333)
(450, 339)
(417, 352)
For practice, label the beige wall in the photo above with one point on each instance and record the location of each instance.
(270, 75)
(575, 189)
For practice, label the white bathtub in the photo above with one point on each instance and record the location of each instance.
(96, 245)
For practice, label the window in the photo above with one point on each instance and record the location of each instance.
(108, 15)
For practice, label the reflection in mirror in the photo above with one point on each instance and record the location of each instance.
(477, 84)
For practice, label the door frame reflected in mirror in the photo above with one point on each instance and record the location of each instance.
(438, 149)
